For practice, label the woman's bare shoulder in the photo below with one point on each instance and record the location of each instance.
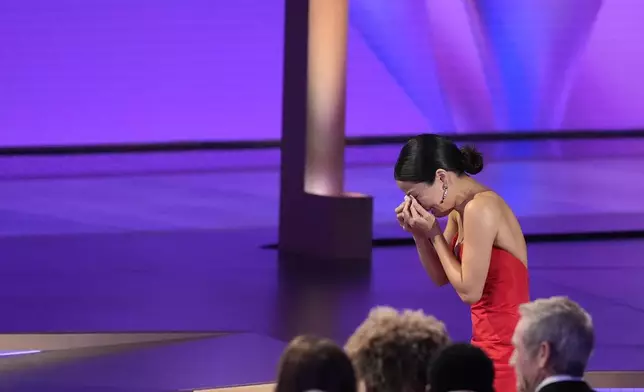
(486, 205)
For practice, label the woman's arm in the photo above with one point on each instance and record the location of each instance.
(429, 260)
(428, 256)
(480, 225)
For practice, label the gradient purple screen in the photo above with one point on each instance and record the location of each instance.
(140, 71)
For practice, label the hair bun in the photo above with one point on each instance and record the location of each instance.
(472, 159)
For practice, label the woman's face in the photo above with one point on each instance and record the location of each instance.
(429, 196)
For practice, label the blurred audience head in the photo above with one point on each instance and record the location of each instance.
(392, 351)
(554, 336)
(311, 363)
(461, 367)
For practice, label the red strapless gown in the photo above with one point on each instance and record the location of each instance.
(496, 314)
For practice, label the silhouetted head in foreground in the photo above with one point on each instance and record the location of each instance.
(428, 165)
(461, 367)
(310, 363)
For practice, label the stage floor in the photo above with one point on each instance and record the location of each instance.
(172, 242)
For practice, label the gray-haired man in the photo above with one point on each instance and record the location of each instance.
(552, 344)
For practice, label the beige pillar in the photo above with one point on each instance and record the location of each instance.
(320, 224)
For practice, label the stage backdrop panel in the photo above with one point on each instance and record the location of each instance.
(141, 71)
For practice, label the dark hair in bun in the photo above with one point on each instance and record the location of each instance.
(422, 155)
(472, 160)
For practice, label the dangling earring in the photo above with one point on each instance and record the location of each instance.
(444, 193)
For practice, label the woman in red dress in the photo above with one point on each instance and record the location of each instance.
(482, 251)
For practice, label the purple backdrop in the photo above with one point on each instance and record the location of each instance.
(133, 71)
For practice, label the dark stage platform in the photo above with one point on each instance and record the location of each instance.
(172, 243)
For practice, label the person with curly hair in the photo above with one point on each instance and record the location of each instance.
(392, 351)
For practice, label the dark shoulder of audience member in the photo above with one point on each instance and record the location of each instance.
(313, 363)
(461, 367)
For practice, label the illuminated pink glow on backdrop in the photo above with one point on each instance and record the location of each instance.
(399, 33)
(139, 71)
(529, 50)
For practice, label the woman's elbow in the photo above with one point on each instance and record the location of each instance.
(440, 282)
(470, 298)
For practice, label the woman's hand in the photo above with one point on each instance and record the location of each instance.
(403, 215)
(421, 220)
(412, 217)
